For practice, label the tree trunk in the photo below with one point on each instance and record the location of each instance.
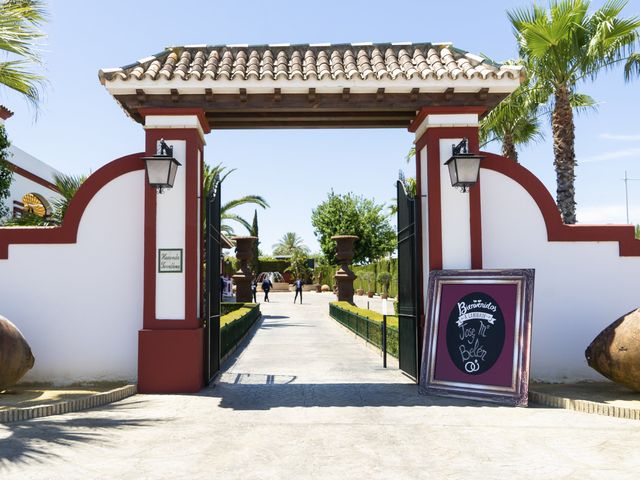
(564, 153)
(508, 148)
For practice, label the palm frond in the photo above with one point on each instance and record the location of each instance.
(247, 199)
(632, 66)
(236, 218)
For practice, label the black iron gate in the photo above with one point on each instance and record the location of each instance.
(408, 303)
(212, 285)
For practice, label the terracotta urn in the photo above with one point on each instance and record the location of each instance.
(16, 358)
(615, 352)
(242, 278)
(344, 276)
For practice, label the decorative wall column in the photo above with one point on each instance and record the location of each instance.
(344, 276)
(170, 345)
(242, 278)
(449, 223)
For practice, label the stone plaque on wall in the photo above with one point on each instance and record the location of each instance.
(169, 260)
(477, 336)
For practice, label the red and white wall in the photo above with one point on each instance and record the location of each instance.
(586, 276)
(89, 296)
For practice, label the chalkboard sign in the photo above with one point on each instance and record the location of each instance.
(477, 337)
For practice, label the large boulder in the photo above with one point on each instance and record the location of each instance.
(16, 358)
(615, 352)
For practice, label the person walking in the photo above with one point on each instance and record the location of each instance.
(266, 286)
(254, 289)
(298, 284)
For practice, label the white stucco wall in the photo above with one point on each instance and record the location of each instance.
(580, 287)
(80, 305)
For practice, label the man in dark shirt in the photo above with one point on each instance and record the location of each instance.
(266, 286)
(298, 284)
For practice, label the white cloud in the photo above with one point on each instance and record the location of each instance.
(623, 137)
(614, 155)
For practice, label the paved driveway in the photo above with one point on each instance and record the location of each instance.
(307, 400)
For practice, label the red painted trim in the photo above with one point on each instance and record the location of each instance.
(199, 112)
(420, 255)
(425, 111)
(431, 139)
(192, 226)
(32, 176)
(170, 361)
(556, 230)
(68, 231)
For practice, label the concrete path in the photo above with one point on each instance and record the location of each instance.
(307, 400)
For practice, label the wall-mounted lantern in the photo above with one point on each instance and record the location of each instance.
(463, 166)
(162, 167)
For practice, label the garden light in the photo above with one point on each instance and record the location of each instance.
(162, 167)
(463, 166)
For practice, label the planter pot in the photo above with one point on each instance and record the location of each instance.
(384, 296)
(318, 288)
(360, 291)
(370, 294)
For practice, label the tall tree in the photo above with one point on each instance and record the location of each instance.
(354, 215)
(563, 46)
(216, 175)
(288, 244)
(20, 22)
(6, 174)
(255, 259)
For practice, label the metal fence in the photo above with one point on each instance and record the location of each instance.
(368, 329)
(232, 333)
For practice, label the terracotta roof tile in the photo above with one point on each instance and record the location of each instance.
(303, 62)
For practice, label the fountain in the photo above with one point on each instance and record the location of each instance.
(277, 280)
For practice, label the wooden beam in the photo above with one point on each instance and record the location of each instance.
(208, 94)
(346, 93)
(483, 93)
(175, 96)
(277, 94)
(141, 96)
(414, 94)
(380, 95)
(243, 95)
(312, 95)
(448, 93)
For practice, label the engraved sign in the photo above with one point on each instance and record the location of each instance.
(477, 336)
(169, 260)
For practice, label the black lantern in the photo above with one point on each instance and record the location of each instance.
(463, 166)
(162, 167)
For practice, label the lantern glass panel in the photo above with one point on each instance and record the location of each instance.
(173, 169)
(467, 169)
(158, 170)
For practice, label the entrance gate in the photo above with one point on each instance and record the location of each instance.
(408, 303)
(212, 285)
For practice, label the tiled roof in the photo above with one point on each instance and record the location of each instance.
(5, 113)
(382, 61)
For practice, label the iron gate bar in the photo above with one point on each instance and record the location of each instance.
(408, 295)
(212, 284)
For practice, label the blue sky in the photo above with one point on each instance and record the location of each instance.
(80, 128)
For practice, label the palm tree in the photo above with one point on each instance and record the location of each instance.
(19, 33)
(68, 186)
(214, 176)
(563, 46)
(289, 244)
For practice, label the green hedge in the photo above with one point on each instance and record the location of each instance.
(235, 323)
(384, 265)
(366, 324)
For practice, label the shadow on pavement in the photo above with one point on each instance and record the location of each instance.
(264, 392)
(31, 440)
